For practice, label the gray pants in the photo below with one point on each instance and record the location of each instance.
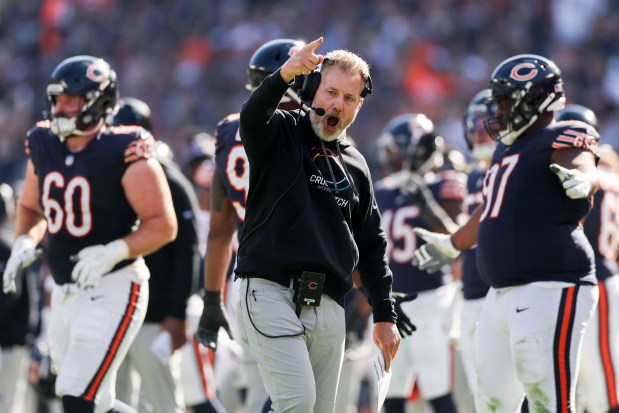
(300, 372)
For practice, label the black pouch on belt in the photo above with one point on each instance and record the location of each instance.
(309, 291)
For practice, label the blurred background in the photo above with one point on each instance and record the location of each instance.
(187, 58)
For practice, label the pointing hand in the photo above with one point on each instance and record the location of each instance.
(303, 62)
(575, 183)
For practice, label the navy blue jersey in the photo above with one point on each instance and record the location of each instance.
(530, 230)
(602, 224)
(81, 193)
(405, 203)
(233, 165)
(472, 285)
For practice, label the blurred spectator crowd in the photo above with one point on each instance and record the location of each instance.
(188, 58)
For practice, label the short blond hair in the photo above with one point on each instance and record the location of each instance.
(349, 62)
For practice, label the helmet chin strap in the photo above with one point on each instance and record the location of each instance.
(65, 127)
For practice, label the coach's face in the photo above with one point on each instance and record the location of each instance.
(339, 95)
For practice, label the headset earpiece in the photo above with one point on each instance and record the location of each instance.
(311, 83)
(310, 86)
(367, 87)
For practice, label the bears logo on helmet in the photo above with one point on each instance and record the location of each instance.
(524, 87)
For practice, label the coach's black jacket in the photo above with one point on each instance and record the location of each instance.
(303, 215)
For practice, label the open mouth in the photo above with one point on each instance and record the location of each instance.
(333, 121)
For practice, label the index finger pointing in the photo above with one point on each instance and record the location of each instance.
(314, 44)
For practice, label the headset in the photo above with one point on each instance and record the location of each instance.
(311, 83)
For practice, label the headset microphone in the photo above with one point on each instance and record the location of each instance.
(319, 111)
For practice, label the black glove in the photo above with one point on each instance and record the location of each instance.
(404, 324)
(214, 317)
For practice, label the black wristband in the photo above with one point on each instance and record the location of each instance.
(212, 297)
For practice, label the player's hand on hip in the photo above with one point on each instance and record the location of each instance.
(95, 261)
(404, 324)
(23, 254)
(387, 338)
(575, 183)
(214, 317)
(438, 251)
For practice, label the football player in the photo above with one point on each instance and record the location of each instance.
(418, 196)
(531, 248)
(102, 200)
(599, 368)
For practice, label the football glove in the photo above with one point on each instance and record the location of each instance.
(438, 251)
(214, 317)
(575, 183)
(404, 324)
(96, 261)
(23, 254)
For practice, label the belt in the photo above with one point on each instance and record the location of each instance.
(289, 283)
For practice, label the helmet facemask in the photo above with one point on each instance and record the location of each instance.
(520, 108)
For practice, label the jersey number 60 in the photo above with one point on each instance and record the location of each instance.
(56, 215)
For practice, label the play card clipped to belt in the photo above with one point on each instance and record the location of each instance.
(310, 288)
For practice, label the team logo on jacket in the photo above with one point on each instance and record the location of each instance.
(335, 178)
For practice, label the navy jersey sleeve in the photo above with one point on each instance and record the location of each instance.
(576, 134)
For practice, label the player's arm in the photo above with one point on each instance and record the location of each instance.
(433, 212)
(29, 219)
(466, 236)
(30, 226)
(219, 248)
(441, 249)
(219, 240)
(577, 170)
(454, 209)
(148, 193)
(217, 261)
